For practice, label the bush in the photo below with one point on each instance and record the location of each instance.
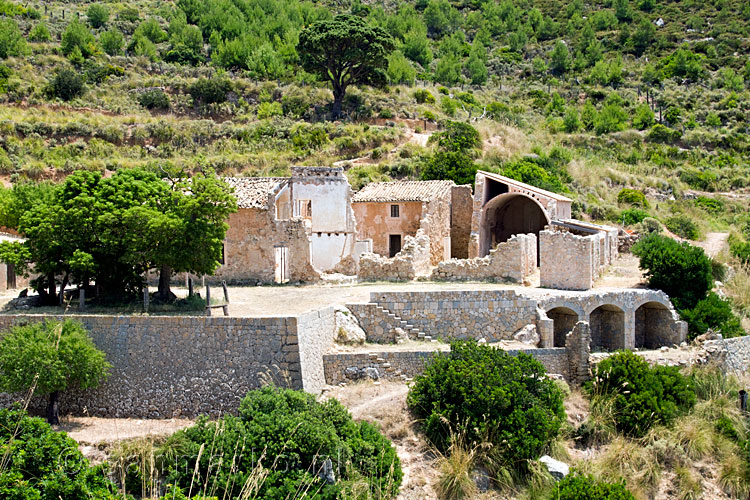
(297, 435)
(683, 226)
(741, 250)
(40, 33)
(632, 197)
(530, 172)
(712, 312)
(45, 464)
(11, 39)
(681, 270)
(112, 42)
(642, 396)
(711, 205)
(154, 99)
(457, 136)
(269, 109)
(98, 15)
(451, 165)
(578, 487)
(78, 36)
(424, 96)
(632, 216)
(66, 84)
(663, 134)
(487, 395)
(210, 90)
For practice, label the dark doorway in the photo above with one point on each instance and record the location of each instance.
(10, 276)
(509, 214)
(564, 321)
(394, 244)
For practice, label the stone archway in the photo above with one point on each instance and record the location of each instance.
(564, 320)
(607, 328)
(653, 323)
(508, 214)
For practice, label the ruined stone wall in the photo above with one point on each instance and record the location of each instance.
(435, 222)
(413, 261)
(732, 354)
(249, 254)
(374, 222)
(462, 206)
(567, 261)
(513, 260)
(167, 366)
(389, 365)
(490, 314)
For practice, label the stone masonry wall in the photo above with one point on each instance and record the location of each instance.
(732, 354)
(166, 366)
(399, 364)
(413, 261)
(492, 315)
(462, 206)
(513, 260)
(436, 224)
(566, 260)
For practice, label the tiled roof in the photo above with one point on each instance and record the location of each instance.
(403, 191)
(252, 192)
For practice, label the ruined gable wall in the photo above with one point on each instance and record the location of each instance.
(514, 260)
(413, 261)
(436, 217)
(567, 261)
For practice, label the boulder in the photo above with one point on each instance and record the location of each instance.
(348, 330)
(528, 335)
(556, 468)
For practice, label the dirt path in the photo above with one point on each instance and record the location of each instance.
(714, 243)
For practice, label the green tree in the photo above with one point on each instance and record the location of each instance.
(112, 42)
(681, 270)
(476, 66)
(400, 70)
(450, 165)
(40, 33)
(560, 61)
(48, 358)
(186, 46)
(623, 10)
(11, 39)
(441, 17)
(66, 84)
(643, 36)
(571, 122)
(345, 50)
(98, 15)
(77, 35)
(448, 71)
(152, 30)
(643, 118)
(417, 47)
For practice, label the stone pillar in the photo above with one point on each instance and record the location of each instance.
(546, 328)
(629, 329)
(578, 347)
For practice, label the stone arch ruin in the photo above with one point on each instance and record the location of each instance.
(607, 328)
(509, 214)
(564, 320)
(652, 320)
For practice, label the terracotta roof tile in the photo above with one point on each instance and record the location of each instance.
(252, 192)
(403, 191)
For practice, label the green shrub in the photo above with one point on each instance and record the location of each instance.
(683, 226)
(66, 84)
(642, 396)
(712, 312)
(632, 197)
(154, 99)
(450, 165)
(424, 96)
(457, 136)
(11, 39)
(269, 109)
(98, 15)
(632, 216)
(530, 172)
(681, 270)
(709, 204)
(296, 435)
(44, 464)
(40, 33)
(112, 42)
(741, 250)
(650, 225)
(210, 90)
(644, 117)
(78, 36)
(487, 395)
(578, 487)
(295, 103)
(663, 134)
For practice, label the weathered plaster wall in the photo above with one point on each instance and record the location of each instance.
(166, 366)
(249, 248)
(513, 260)
(374, 222)
(462, 204)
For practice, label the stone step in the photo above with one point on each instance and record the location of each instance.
(380, 360)
(385, 365)
(373, 355)
(421, 335)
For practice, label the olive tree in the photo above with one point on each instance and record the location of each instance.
(48, 358)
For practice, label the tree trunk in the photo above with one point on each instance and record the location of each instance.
(53, 408)
(52, 293)
(338, 100)
(165, 291)
(62, 289)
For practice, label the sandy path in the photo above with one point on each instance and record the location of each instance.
(714, 243)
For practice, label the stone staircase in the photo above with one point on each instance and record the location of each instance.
(385, 370)
(381, 325)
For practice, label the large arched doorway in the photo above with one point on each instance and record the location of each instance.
(508, 214)
(564, 320)
(653, 321)
(607, 328)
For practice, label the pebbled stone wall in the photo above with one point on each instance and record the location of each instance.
(166, 366)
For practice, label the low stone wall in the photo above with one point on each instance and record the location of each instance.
(492, 314)
(167, 366)
(389, 365)
(513, 260)
(566, 260)
(379, 327)
(413, 261)
(733, 354)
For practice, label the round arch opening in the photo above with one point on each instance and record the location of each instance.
(653, 323)
(563, 322)
(607, 328)
(509, 214)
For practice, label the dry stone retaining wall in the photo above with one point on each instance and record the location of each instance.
(733, 354)
(513, 260)
(566, 260)
(166, 366)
